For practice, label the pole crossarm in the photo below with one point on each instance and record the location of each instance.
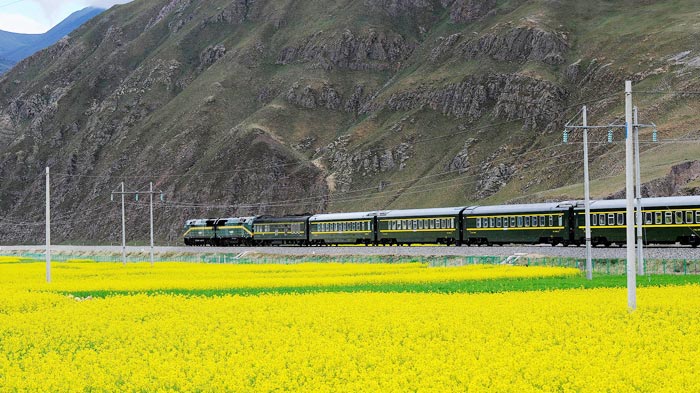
(652, 125)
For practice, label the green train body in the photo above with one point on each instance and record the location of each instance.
(664, 221)
(234, 231)
(547, 223)
(274, 231)
(672, 220)
(421, 226)
(200, 232)
(342, 228)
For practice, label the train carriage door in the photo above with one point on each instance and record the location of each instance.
(375, 230)
(570, 220)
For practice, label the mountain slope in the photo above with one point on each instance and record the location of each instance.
(15, 47)
(251, 107)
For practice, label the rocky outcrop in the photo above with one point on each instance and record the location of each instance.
(238, 11)
(372, 50)
(173, 6)
(345, 164)
(461, 162)
(463, 11)
(494, 174)
(211, 55)
(519, 44)
(593, 75)
(398, 8)
(357, 100)
(675, 183)
(310, 97)
(510, 97)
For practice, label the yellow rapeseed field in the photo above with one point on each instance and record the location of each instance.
(574, 340)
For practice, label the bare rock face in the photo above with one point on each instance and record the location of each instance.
(672, 184)
(463, 11)
(460, 162)
(238, 11)
(519, 44)
(173, 6)
(511, 97)
(211, 55)
(310, 97)
(372, 50)
(396, 8)
(357, 100)
(493, 177)
(345, 165)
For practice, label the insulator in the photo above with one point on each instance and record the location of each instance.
(655, 136)
(566, 136)
(610, 136)
(136, 196)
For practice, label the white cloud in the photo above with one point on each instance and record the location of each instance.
(18, 23)
(56, 9)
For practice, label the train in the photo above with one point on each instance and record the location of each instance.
(667, 220)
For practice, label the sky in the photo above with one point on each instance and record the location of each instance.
(39, 16)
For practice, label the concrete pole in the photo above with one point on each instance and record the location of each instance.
(48, 226)
(151, 194)
(587, 197)
(629, 188)
(123, 229)
(638, 178)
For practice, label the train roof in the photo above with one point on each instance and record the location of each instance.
(236, 220)
(342, 216)
(646, 202)
(441, 211)
(521, 208)
(199, 221)
(299, 218)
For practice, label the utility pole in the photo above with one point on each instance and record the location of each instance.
(150, 193)
(587, 196)
(123, 229)
(629, 189)
(48, 226)
(638, 177)
(136, 194)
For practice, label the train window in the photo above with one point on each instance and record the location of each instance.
(543, 221)
(688, 217)
(561, 221)
(520, 221)
(415, 224)
(551, 221)
(431, 223)
(647, 218)
(668, 216)
(492, 222)
(505, 222)
(594, 219)
(527, 221)
(658, 218)
(512, 222)
(499, 222)
(679, 217)
(697, 217)
(534, 221)
(478, 222)
(620, 219)
(601, 219)
(611, 219)
(452, 222)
